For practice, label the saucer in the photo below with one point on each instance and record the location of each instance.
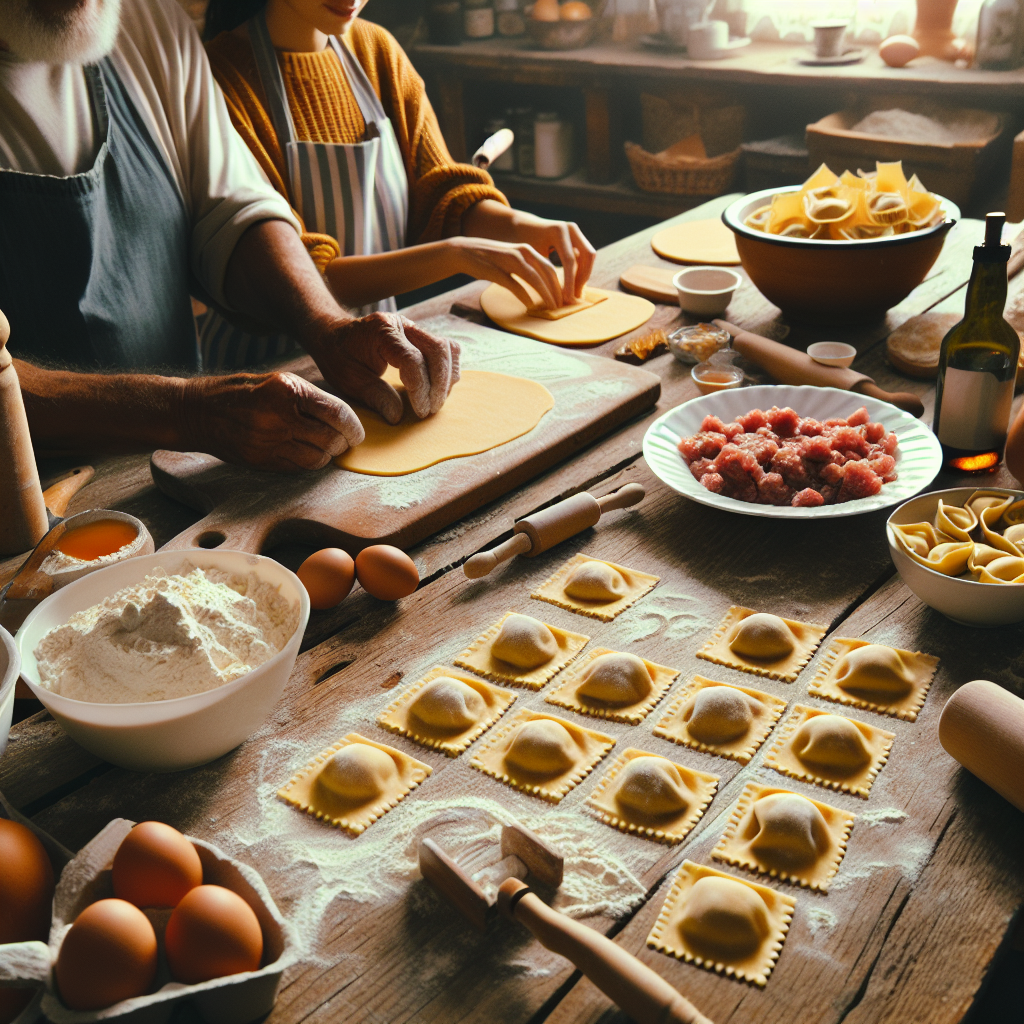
(850, 57)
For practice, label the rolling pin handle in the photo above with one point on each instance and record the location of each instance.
(635, 988)
(904, 400)
(487, 561)
(631, 494)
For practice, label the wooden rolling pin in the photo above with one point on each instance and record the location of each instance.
(982, 726)
(638, 991)
(543, 530)
(791, 366)
(22, 510)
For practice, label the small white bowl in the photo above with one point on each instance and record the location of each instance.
(164, 735)
(10, 667)
(706, 291)
(963, 600)
(832, 353)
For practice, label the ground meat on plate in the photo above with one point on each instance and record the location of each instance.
(775, 457)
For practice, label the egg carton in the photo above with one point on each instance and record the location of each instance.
(236, 999)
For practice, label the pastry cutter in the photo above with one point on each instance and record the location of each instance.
(633, 986)
(542, 530)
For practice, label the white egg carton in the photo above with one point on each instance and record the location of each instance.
(236, 999)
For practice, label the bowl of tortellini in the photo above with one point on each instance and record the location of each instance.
(841, 248)
(961, 551)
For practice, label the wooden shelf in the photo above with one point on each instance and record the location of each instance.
(577, 191)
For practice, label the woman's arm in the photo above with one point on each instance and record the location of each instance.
(490, 219)
(359, 280)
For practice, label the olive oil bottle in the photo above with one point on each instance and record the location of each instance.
(977, 365)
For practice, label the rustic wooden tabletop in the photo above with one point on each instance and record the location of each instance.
(931, 879)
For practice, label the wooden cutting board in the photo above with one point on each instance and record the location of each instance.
(654, 283)
(248, 510)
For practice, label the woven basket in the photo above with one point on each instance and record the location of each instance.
(682, 176)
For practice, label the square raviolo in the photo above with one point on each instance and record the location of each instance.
(609, 684)
(522, 650)
(720, 718)
(354, 782)
(830, 750)
(723, 923)
(785, 835)
(651, 796)
(762, 644)
(447, 710)
(875, 677)
(540, 754)
(591, 586)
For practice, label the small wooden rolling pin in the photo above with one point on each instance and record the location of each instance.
(543, 530)
(982, 726)
(791, 366)
(638, 991)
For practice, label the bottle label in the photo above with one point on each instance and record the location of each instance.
(975, 413)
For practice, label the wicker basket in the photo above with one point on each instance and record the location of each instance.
(682, 176)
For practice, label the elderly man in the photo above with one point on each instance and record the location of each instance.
(124, 189)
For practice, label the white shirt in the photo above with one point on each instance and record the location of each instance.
(47, 127)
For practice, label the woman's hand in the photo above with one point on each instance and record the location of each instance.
(490, 260)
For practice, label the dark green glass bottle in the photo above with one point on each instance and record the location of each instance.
(977, 365)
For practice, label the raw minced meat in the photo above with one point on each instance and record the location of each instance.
(775, 457)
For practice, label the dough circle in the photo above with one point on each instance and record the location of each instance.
(697, 241)
(618, 314)
(483, 411)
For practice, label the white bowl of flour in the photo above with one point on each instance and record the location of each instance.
(166, 675)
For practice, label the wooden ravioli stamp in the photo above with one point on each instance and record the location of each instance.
(652, 796)
(874, 677)
(596, 588)
(785, 835)
(829, 750)
(521, 650)
(354, 782)
(541, 754)
(762, 644)
(612, 685)
(720, 718)
(723, 923)
(447, 710)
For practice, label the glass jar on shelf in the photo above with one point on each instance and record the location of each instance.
(524, 147)
(552, 145)
(478, 19)
(510, 19)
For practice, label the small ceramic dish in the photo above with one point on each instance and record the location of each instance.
(10, 667)
(832, 353)
(706, 291)
(697, 343)
(65, 569)
(711, 377)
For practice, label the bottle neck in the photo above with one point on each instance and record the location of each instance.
(986, 294)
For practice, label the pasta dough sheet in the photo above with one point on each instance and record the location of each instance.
(591, 297)
(609, 315)
(651, 796)
(697, 241)
(483, 411)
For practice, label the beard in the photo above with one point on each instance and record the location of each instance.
(80, 36)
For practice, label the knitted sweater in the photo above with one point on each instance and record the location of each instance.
(324, 109)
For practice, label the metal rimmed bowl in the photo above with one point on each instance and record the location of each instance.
(827, 282)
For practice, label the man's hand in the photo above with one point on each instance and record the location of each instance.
(275, 421)
(354, 354)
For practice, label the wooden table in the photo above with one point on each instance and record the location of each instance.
(930, 886)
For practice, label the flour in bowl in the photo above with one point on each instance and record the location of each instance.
(168, 636)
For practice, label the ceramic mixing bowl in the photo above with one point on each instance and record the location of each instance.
(962, 600)
(10, 666)
(164, 735)
(825, 282)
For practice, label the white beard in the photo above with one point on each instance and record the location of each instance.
(80, 37)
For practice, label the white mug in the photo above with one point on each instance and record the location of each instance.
(829, 38)
(706, 39)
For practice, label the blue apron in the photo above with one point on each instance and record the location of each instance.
(356, 193)
(94, 267)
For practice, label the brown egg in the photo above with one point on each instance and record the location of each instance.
(545, 10)
(155, 866)
(576, 10)
(899, 50)
(26, 900)
(213, 932)
(109, 954)
(327, 575)
(386, 572)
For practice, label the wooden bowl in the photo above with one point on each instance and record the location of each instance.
(563, 35)
(825, 282)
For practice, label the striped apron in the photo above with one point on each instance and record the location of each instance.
(358, 194)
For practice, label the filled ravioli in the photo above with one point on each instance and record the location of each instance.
(596, 588)
(762, 643)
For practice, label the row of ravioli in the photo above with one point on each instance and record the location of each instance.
(772, 830)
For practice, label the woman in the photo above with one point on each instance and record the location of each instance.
(339, 120)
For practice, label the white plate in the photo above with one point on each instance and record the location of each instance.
(918, 459)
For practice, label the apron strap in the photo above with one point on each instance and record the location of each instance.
(272, 80)
(369, 103)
